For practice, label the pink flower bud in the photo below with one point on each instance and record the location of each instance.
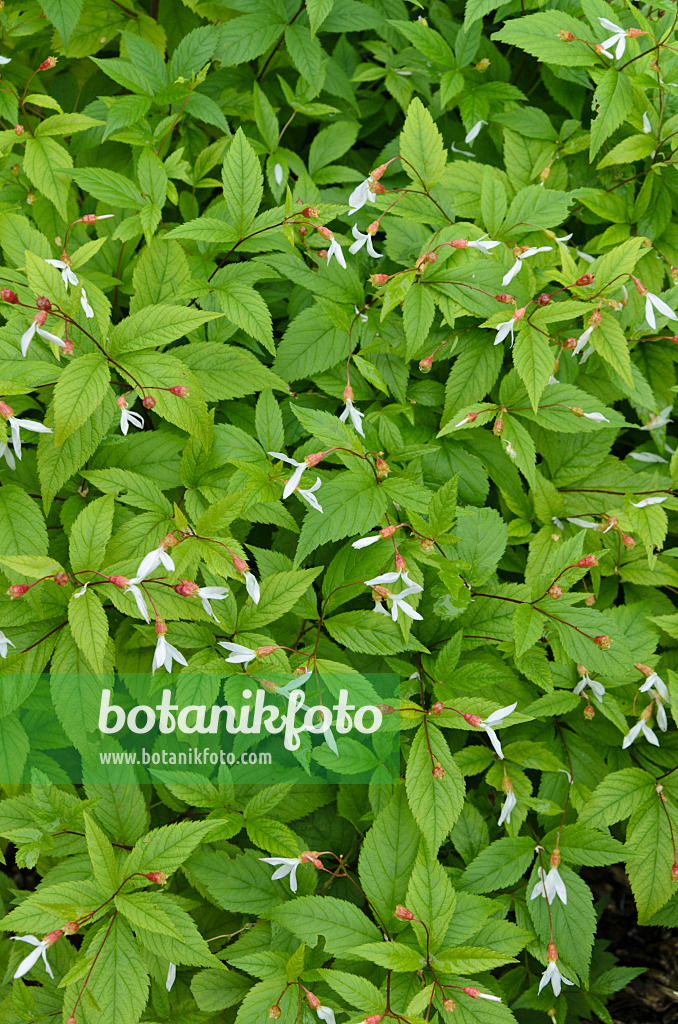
(438, 771)
(628, 541)
(18, 590)
(46, 64)
(570, 344)
(169, 541)
(633, 33)
(308, 856)
(263, 651)
(555, 591)
(53, 937)
(315, 457)
(400, 563)
(640, 287)
(449, 1006)
(437, 708)
(239, 564)
(186, 588)
(157, 877)
(118, 581)
(505, 297)
(459, 243)
(587, 562)
(585, 279)
(378, 279)
(274, 1013)
(543, 299)
(604, 642)
(68, 347)
(310, 211)
(313, 1001)
(378, 171)
(566, 36)
(383, 469)
(6, 410)
(373, 227)
(589, 711)
(645, 669)
(472, 992)
(148, 402)
(19, 129)
(425, 364)
(61, 579)
(388, 531)
(376, 188)
(402, 913)
(7, 295)
(325, 232)
(180, 391)
(89, 218)
(71, 928)
(43, 303)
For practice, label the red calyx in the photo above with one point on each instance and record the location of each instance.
(118, 581)
(437, 708)
(587, 562)
(7, 295)
(160, 630)
(474, 720)
(61, 579)
(148, 402)
(263, 651)
(543, 299)
(604, 642)
(43, 303)
(19, 129)
(180, 390)
(239, 564)
(157, 877)
(47, 64)
(18, 590)
(586, 279)
(472, 992)
(6, 410)
(403, 914)
(186, 588)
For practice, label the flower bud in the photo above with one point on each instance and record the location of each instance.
(505, 297)
(403, 914)
(645, 669)
(627, 541)
(425, 364)
(322, 254)
(15, 170)
(474, 720)
(160, 627)
(303, 230)
(498, 427)
(157, 877)
(6, 410)
(186, 588)
(388, 531)
(545, 174)
(472, 992)
(313, 1001)
(89, 218)
(71, 1020)
(180, 391)
(543, 299)
(459, 243)
(19, 129)
(169, 541)
(263, 651)
(325, 232)
(378, 279)
(483, 64)
(274, 1013)
(567, 37)
(633, 33)
(400, 563)
(374, 1018)
(71, 928)
(30, 198)
(585, 279)
(590, 600)
(53, 937)
(589, 711)
(118, 581)
(506, 785)
(554, 860)
(310, 211)
(437, 708)
(61, 579)
(239, 564)
(47, 64)
(438, 771)
(386, 709)
(570, 344)
(587, 562)
(148, 402)
(383, 469)
(18, 590)
(604, 642)
(7, 295)
(378, 171)
(43, 303)
(555, 591)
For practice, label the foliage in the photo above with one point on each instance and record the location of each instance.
(506, 373)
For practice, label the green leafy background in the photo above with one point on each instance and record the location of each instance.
(216, 138)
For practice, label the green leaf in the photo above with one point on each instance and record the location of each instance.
(418, 311)
(618, 796)
(109, 187)
(613, 101)
(155, 325)
(650, 856)
(81, 387)
(64, 15)
(351, 505)
(243, 183)
(342, 924)
(538, 34)
(279, 593)
(534, 360)
(635, 147)
(89, 626)
(23, 527)
(500, 865)
(119, 982)
(482, 540)
(48, 166)
(102, 856)
(309, 345)
(388, 854)
(436, 803)
(245, 307)
(90, 534)
(421, 145)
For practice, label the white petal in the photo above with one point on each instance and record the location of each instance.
(37, 428)
(336, 250)
(26, 339)
(371, 251)
(649, 313)
(647, 124)
(649, 501)
(494, 740)
(133, 589)
(383, 580)
(632, 735)
(661, 306)
(252, 587)
(48, 336)
(498, 716)
(171, 976)
(293, 482)
(278, 173)
(510, 274)
(359, 196)
(365, 542)
(474, 131)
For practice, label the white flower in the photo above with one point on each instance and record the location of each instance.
(41, 947)
(647, 457)
(360, 195)
(496, 718)
(27, 337)
(660, 420)
(597, 417)
(4, 644)
(15, 426)
(309, 496)
(293, 481)
(6, 454)
(165, 654)
(509, 805)
(662, 720)
(336, 250)
(362, 316)
(503, 330)
(461, 152)
(136, 593)
(644, 502)
(633, 734)
(552, 380)
(5, 60)
(550, 886)
(398, 603)
(586, 524)
(558, 522)
(483, 246)
(278, 174)
(355, 414)
(564, 238)
(152, 561)
(207, 594)
(68, 277)
(393, 577)
(252, 587)
(283, 866)
(652, 680)
(618, 37)
(582, 340)
(239, 655)
(326, 1014)
(380, 610)
(474, 132)
(127, 417)
(653, 302)
(647, 125)
(553, 975)
(517, 266)
(171, 976)
(597, 689)
(365, 542)
(361, 240)
(83, 590)
(585, 256)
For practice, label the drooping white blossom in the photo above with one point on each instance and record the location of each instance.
(40, 950)
(363, 240)
(307, 494)
(496, 718)
(549, 886)
(596, 688)
(207, 594)
(474, 132)
(239, 655)
(336, 251)
(165, 654)
(36, 327)
(618, 38)
(152, 561)
(355, 415)
(68, 277)
(658, 420)
(633, 734)
(517, 266)
(171, 976)
(5, 643)
(653, 302)
(645, 502)
(553, 976)
(127, 417)
(508, 807)
(283, 866)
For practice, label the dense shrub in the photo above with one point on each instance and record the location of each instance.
(425, 253)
